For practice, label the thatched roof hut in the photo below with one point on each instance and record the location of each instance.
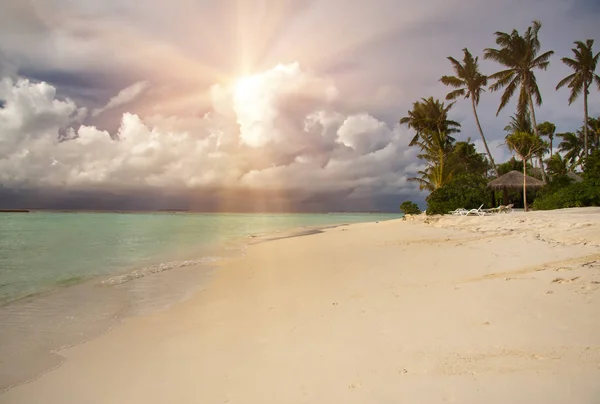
(514, 180)
(574, 176)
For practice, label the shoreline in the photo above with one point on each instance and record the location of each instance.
(367, 312)
(114, 301)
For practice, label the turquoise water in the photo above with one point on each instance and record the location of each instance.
(43, 250)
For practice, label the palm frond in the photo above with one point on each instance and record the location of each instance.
(452, 95)
(503, 78)
(542, 61)
(576, 90)
(494, 54)
(571, 63)
(565, 81)
(507, 95)
(458, 68)
(534, 89)
(452, 81)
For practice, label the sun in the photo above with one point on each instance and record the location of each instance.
(252, 104)
(246, 88)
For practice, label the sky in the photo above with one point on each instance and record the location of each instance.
(249, 105)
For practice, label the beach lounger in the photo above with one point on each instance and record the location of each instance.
(506, 209)
(458, 212)
(495, 210)
(477, 212)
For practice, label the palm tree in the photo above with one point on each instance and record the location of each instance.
(429, 119)
(544, 148)
(434, 150)
(468, 83)
(431, 178)
(547, 129)
(428, 116)
(465, 159)
(593, 128)
(525, 145)
(520, 55)
(557, 165)
(580, 81)
(520, 122)
(572, 146)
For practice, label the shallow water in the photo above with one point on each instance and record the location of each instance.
(43, 250)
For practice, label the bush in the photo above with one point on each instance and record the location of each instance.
(572, 196)
(559, 195)
(465, 191)
(591, 172)
(410, 208)
(556, 183)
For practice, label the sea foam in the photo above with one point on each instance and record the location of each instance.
(152, 269)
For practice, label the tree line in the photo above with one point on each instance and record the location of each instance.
(520, 57)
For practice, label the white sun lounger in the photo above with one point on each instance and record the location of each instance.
(477, 212)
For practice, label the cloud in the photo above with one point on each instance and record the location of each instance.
(125, 96)
(359, 69)
(364, 133)
(279, 132)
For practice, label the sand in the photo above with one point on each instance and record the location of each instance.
(499, 309)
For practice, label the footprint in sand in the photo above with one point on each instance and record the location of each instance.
(563, 280)
(563, 269)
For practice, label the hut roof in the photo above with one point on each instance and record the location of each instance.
(574, 176)
(514, 180)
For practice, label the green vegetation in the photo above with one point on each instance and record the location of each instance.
(429, 119)
(525, 145)
(562, 192)
(466, 190)
(456, 175)
(469, 83)
(584, 66)
(410, 208)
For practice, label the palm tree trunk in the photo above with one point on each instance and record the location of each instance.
(440, 181)
(487, 149)
(535, 129)
(585, 119)
(551, 154)
(525, 185)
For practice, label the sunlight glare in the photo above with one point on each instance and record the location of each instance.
(246, 88)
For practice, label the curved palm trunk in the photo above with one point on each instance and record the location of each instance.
(525, 184)
(483, 137)
(585, 120)
(535, 129)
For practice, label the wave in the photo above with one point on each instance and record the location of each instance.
(153, 269)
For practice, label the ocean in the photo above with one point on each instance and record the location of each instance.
(40, 251)
(67, 277)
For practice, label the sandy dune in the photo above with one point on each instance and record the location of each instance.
(501, 309)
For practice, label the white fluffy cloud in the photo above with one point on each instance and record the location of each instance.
(277, 130)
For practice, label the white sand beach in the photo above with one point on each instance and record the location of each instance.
(495, 309)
